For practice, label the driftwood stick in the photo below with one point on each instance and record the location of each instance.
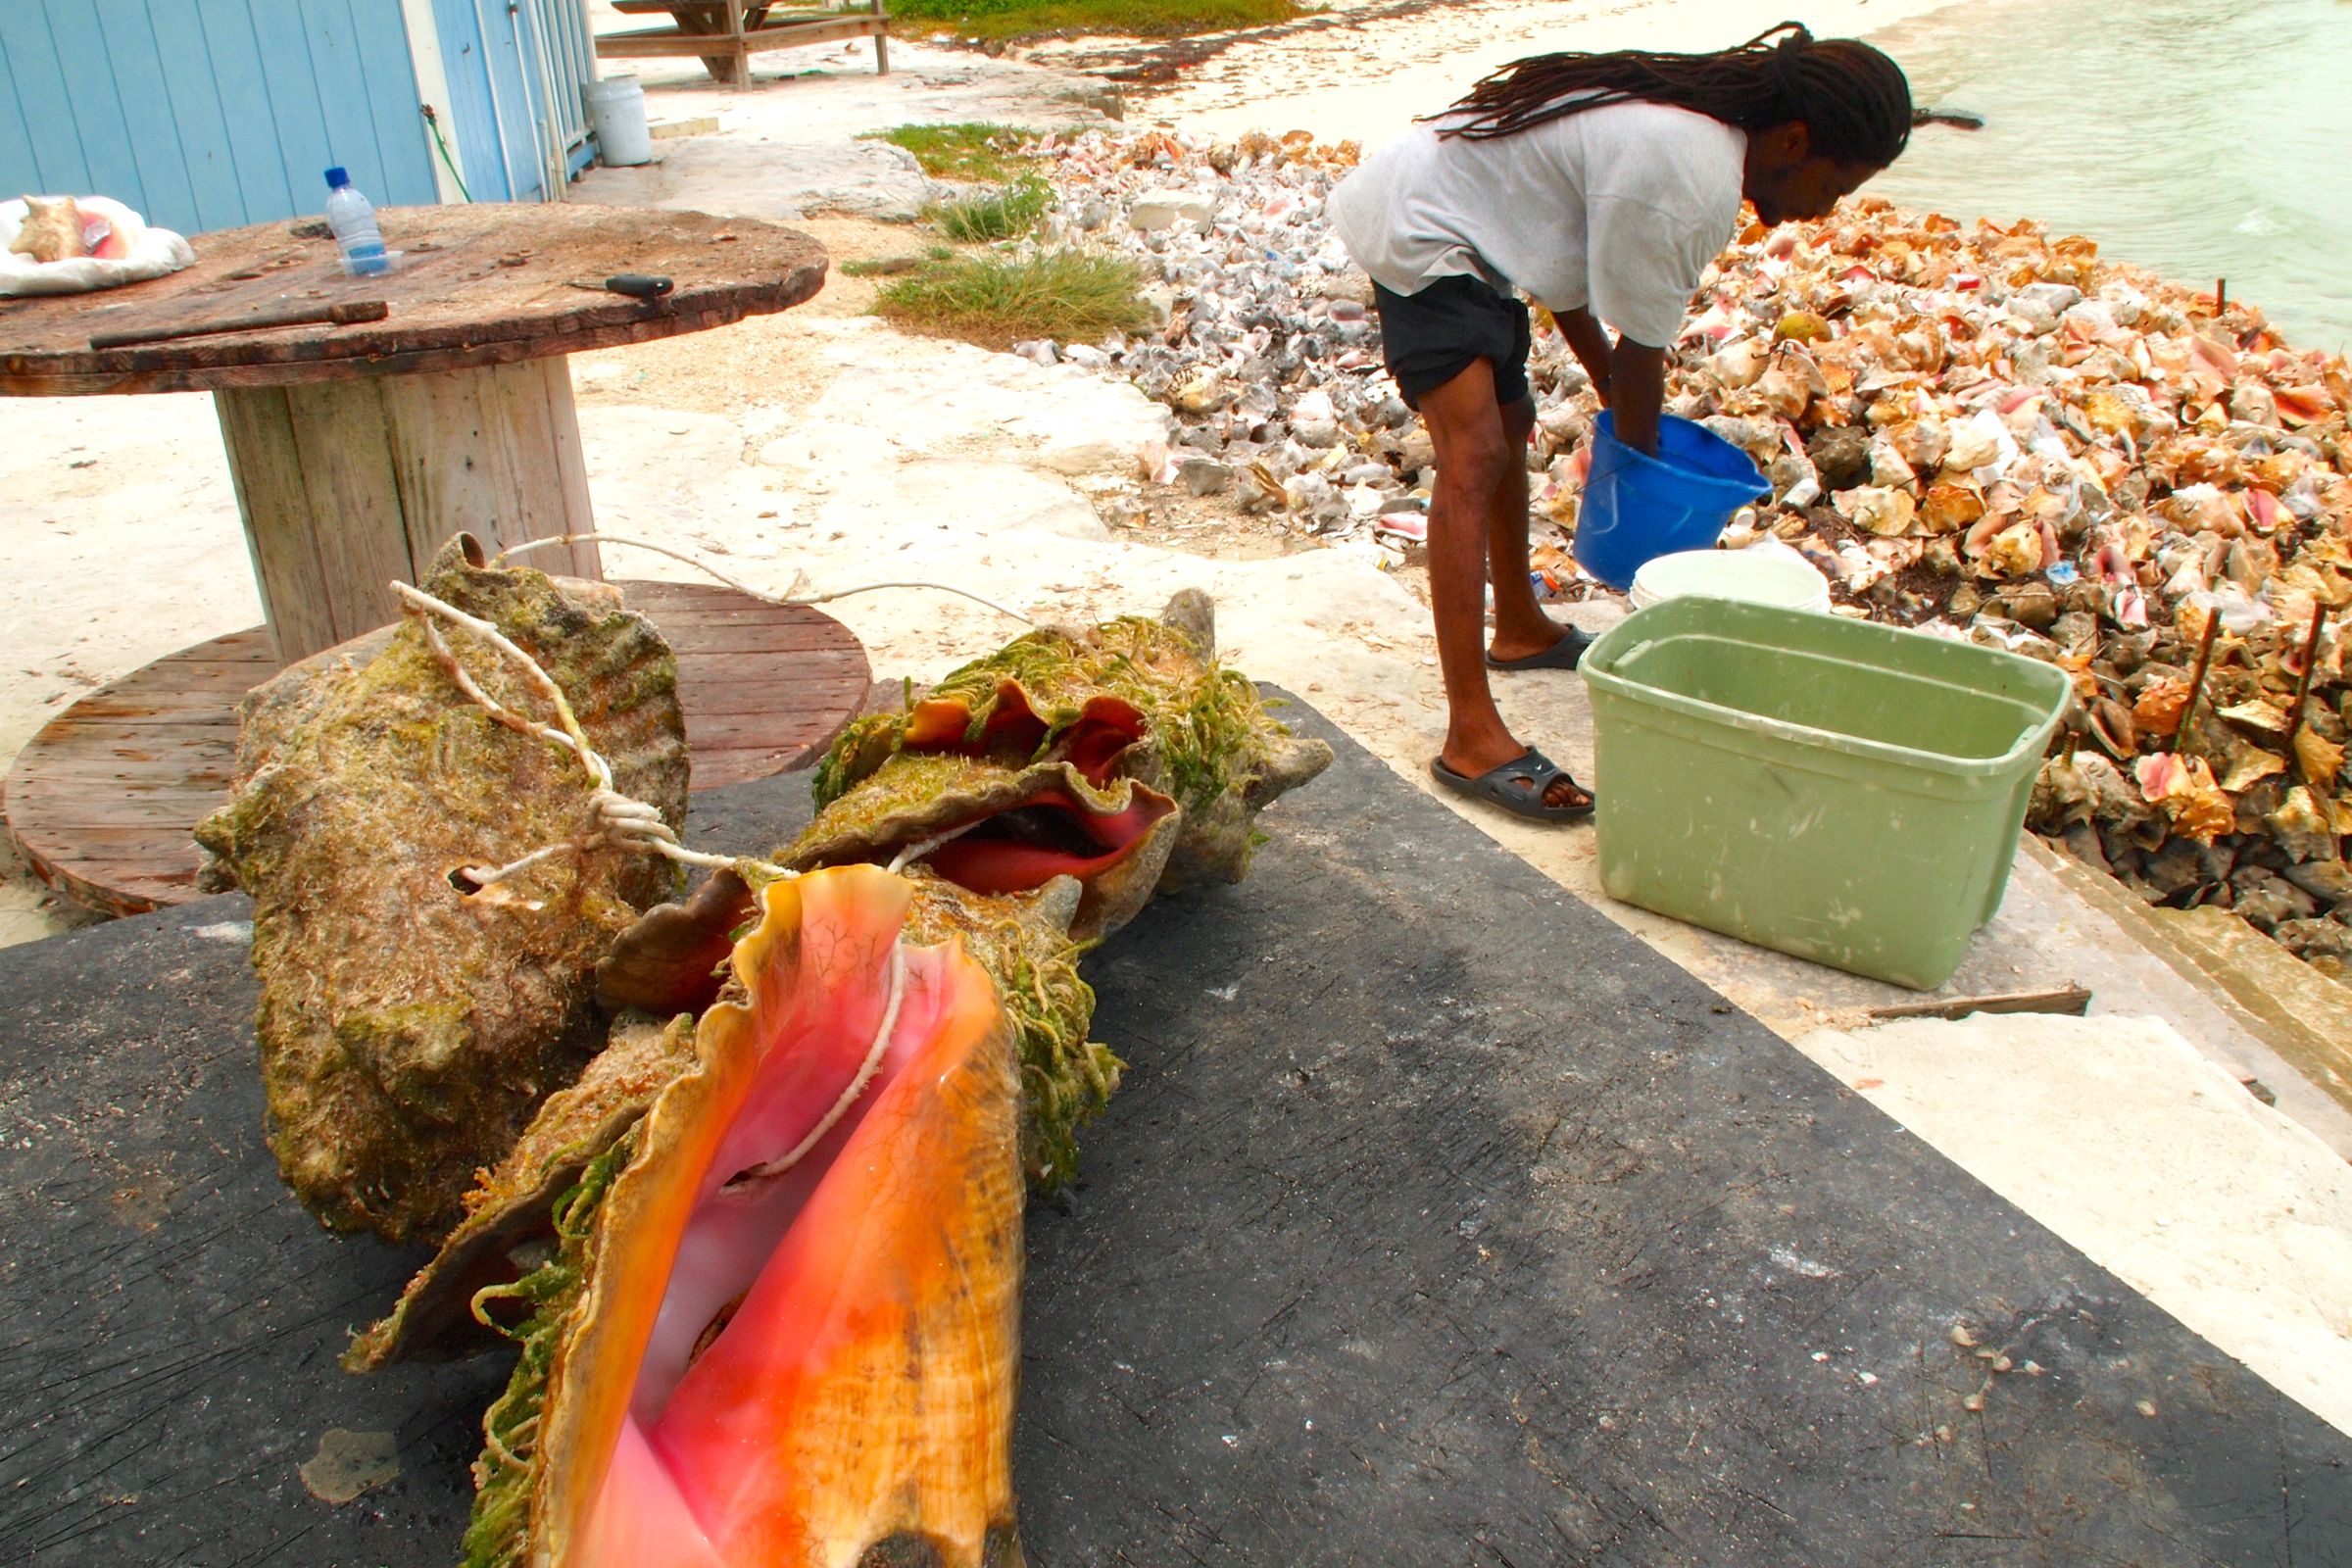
(2071, 1000)
(2196, 680)
(2294, 714)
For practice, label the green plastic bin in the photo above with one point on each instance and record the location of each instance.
(1845, 792)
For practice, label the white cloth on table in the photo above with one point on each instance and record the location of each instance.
(146, 253)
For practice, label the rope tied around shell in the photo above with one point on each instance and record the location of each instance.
(618, 820)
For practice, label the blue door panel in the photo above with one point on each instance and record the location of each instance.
(233, 53)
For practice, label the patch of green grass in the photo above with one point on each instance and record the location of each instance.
(1148, 19)
(971, 150)
(1068, 295)
(1006, 213)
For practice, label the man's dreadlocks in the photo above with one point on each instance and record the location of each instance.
(1853, 99)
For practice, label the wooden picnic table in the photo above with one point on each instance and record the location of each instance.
(357, 450)
(726, 33)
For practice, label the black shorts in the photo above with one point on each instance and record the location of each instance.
(1431, 338)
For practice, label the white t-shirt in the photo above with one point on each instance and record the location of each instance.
(1618, 209)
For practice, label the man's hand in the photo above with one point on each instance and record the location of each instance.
(1590, 342)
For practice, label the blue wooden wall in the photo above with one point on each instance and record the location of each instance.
(514, 76)
(209, 114)
(489, 97)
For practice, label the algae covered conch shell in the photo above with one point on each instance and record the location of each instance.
(409, 1026)
(1136, 699)
(1119, 759)
(782, 1324)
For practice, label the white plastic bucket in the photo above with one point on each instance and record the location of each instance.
(616, 112)
(1761, 574)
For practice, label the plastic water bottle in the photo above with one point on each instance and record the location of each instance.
(353, 221)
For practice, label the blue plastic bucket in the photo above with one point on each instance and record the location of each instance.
(1637, 507)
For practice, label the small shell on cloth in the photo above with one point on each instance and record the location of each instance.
(787, 1330)
(51, 230)
(408, 1030)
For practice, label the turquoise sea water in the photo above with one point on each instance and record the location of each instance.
(2201, 138)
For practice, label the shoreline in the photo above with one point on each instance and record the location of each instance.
(1393, 62)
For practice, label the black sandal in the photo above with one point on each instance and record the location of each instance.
(1518, 786)
(1562, 654)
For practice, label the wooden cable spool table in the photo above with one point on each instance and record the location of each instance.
(357, 450)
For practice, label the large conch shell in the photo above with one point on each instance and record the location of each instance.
(1093, 766)
(1134, 698)
(781, 1326)
(510, 1213)
(411, 1025)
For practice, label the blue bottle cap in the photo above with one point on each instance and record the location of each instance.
(337, 176)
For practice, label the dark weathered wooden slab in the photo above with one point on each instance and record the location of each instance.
(102, 802)
(1439, 1224)
(480, 285)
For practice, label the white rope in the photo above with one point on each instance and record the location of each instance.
(765, 597)
(849, 1096)
(621, 822)
(916, 851)
(943, 587)
(696, 561)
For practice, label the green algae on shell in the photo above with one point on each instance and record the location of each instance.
(508, 1214)
(408, 1030)
(507, 1472)
(1022, 941)
(1151, 688)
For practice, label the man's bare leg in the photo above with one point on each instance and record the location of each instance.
(1475, 462)
(1521, 628)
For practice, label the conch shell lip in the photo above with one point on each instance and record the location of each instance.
(1021, 847)
(1062, 823)
(1007, 726)
(839, 1086)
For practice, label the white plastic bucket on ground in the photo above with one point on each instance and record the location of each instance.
(1761, 574)
(616, 112)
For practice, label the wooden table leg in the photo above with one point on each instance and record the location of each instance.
(346, 485)
(702, 20)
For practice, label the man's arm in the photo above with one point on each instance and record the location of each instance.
(1637, 392)
(1591, 341)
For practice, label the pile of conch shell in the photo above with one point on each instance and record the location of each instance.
(763, 1256)
(1984, 432)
